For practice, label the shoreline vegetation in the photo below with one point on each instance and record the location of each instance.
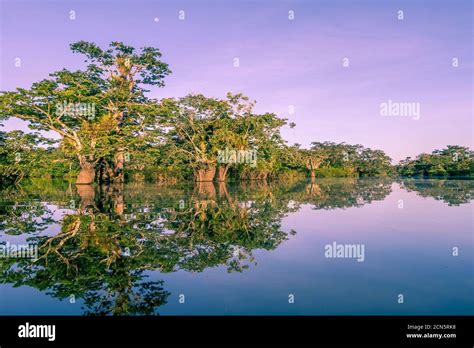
(111, 131)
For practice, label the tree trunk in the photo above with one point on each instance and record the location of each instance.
(206, 189)
(313, 189)
(102, 175)
(117, 196)
(223, 193)
(222, 173)
(206, 174)
(313, 175)
(87, 174)
(87, 194)
(118, 168)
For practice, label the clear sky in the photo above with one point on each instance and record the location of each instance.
(283, 62)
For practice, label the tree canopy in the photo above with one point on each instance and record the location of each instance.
(110, 130)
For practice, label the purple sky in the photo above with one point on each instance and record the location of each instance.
(282, 62)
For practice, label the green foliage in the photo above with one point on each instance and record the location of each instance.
(112, 91)
(22, 154)
(327, 159)
(129, 134)
(334, 172)
(200, 127)
(194, 124)
(354, 159)
(453, 161)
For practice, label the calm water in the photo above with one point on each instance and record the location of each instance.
(232, 249)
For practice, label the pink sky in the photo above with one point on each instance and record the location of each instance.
(282, 62)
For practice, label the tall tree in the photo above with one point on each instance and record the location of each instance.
(312, 160)
(192, 122)
(99, 112)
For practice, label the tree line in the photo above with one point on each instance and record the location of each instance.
(110, 130)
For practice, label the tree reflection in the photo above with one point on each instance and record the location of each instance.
(109, 238)
(452, 192)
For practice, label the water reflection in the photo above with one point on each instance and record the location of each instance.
(452, 192)
(101, 247)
